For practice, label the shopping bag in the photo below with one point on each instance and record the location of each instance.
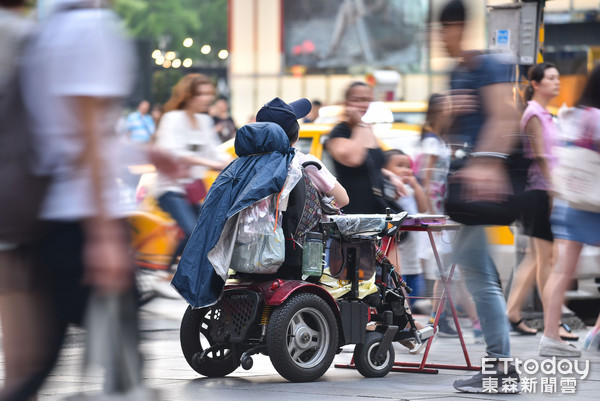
(576, 177)
(500, 213)
(260, 244)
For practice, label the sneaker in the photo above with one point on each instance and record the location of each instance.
(499, 382)
(551, 347)
(444, 329)
(414, 347)
(592, 340)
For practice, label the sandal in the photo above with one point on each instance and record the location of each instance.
(571, 337)
(516, 328)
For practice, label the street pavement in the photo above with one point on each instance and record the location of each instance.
(167, 371)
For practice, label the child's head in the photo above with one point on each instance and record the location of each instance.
(398, 162)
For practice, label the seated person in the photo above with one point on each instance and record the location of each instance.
(265, 155)
(296, 222)
(259, 172)
(287, 116)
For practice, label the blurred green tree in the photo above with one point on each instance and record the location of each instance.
(168, 22)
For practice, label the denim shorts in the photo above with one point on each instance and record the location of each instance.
(575, 225)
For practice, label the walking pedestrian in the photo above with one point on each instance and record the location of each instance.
(571, 227)
(187, 131)
(25, 315)
(484, 117)
(84, 248)
(140, 124)
(536, 122)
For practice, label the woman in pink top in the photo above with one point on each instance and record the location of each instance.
(544, 85)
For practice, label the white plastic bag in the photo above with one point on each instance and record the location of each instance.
(576, 177)
(259, 245)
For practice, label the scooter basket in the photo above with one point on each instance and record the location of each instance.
(233, 315)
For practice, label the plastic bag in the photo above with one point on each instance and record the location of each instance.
(260, 245)
(112, 345)
(355, 224)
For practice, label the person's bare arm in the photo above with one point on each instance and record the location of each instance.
(420, 197)
(202, 161)
(485, 177)
(106, 255)
(500, 132)
(429, 163)
(352, 152)
(340, 194)
(396, 181)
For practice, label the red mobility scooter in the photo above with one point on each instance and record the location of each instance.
(302, 322)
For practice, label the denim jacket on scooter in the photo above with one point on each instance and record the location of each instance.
(262, 167)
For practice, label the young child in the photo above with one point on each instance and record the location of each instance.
(414, 202)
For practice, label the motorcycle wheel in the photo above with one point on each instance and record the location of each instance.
(195, 337)
(302, 338)
(364, 356)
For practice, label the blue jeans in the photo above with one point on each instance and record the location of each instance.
(183, 212)
(483, 282)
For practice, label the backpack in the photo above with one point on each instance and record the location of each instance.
(21, 191)
(303, 214)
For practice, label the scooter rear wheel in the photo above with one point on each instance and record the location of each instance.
(195, 337)
(302, 338)
(364, 356)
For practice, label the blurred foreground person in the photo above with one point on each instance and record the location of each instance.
(84, 249)
(24, 312)
(483, 117)
(572, 227)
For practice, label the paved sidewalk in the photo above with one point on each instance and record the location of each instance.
(166, 370)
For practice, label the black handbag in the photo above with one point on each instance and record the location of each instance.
(382, 188)
(502, 213)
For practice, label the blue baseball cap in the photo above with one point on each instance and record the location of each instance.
(285, 115)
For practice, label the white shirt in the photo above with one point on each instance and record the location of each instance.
(176, 134)
(408, 249)
(79, 52)
(321, 178)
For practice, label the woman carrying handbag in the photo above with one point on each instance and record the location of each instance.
(572, 227)
(187, 131)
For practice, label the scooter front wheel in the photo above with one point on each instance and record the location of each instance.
(195, 338)
(302, 338)
(365, 356)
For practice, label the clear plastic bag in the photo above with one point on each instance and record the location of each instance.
(360, 224)
(260, 244)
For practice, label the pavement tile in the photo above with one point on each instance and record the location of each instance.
(166, 369)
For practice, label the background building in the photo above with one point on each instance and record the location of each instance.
(293, 49)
